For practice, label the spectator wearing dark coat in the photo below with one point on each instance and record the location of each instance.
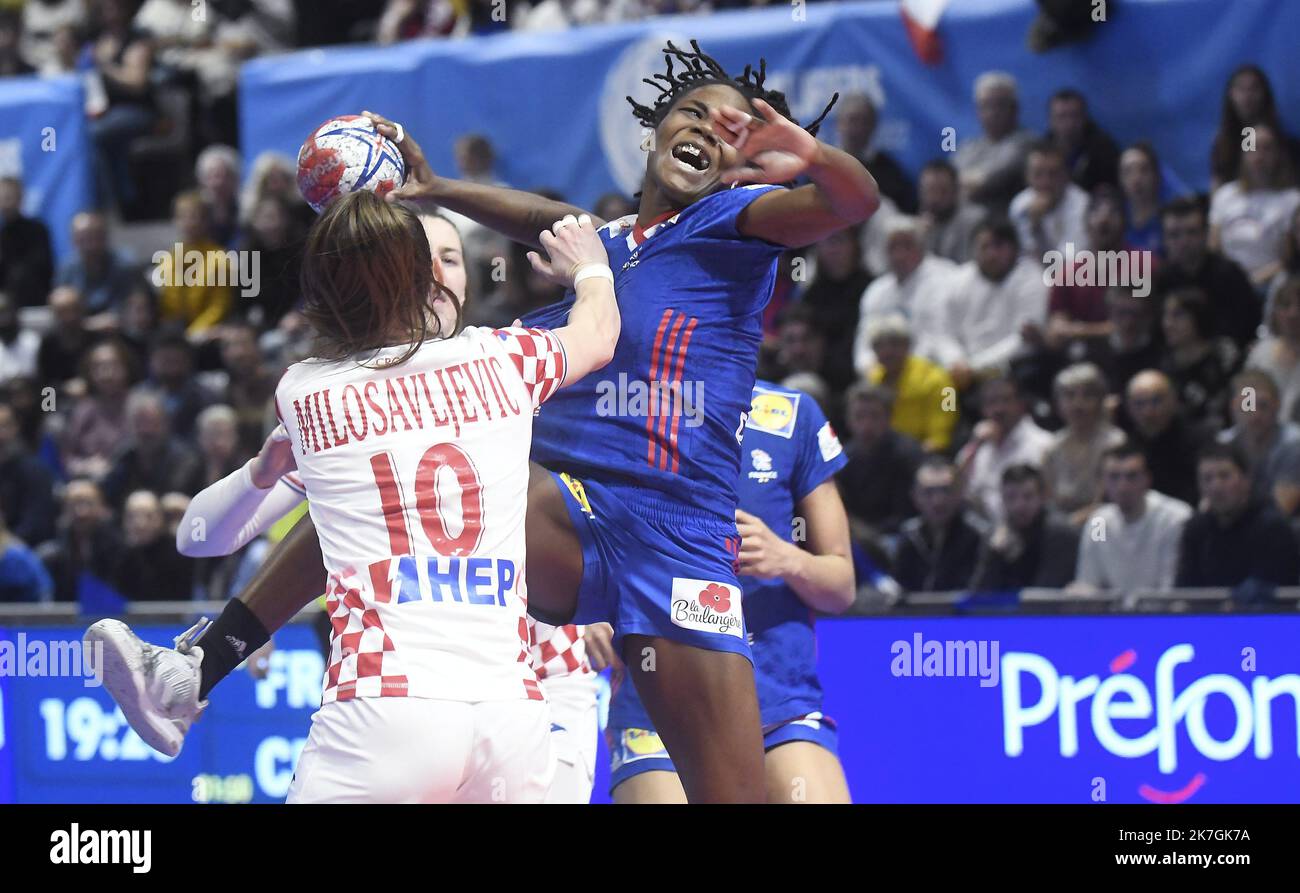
(1031, 547)
(938, 550)
(1241, 537)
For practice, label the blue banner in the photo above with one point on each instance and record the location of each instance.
(1116, 709)
(44, 140)
(553, 103)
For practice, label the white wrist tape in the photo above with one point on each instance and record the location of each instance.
(591, 271)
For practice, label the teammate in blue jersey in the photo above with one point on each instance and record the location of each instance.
(787, 496)
(630, 513)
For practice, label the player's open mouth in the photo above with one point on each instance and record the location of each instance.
(691, 155)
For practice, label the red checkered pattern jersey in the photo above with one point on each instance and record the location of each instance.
(416, 476)
(557, 650)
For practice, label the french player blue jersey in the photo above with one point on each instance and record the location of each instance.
(660, 424)
(789, 450)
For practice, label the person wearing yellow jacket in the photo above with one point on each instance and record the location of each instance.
(196, 277)
(925, 400)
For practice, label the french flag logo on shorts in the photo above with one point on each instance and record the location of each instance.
(707, 606)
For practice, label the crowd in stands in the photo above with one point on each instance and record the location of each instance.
(1052, 363)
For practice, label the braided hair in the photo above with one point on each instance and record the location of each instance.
(698, 69)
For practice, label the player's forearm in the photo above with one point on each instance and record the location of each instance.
(514, 213)
(846, 186)
(226, 516)
(292, 575)
(822, 582)
(594, 325)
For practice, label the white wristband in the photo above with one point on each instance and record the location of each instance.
(593, 270)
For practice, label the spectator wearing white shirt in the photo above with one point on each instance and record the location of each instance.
(1250, 216)
(916, 288)
(1279, 353)
(949, 222)
(1131, 542)
(19, 347)
(992, 165)
(991, 298)
(1051, 211)
(1006, 436)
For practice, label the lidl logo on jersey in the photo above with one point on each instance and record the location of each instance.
(762, 462)
(774, 413)
(707, 606)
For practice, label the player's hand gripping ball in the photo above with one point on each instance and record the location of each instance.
(346, 154)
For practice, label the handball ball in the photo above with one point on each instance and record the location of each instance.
(346, 154)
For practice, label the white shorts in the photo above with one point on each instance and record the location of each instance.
(420, 750)
(573, 731)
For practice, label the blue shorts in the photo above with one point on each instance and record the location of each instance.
(655, 573)
(633, 751)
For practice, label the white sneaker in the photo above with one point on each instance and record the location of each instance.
(157, 688)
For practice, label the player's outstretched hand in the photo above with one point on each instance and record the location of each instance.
(571, 244)
(274, 461)
(599, 639)
(420, 178)
(774, 148)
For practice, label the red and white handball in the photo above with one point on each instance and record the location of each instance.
(346, 154)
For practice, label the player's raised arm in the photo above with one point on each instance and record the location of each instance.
(514, 213)
(777, 150)
(577, 259)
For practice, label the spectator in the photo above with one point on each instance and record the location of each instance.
(219, 448)
(991, 299)
(938, 549)
(103, 276)
(43, 20)
(1139, 179)
(88, 541)
(217, 173)
(120, 101)
(476, 160)
(1198, 366)
(1247, 102)
(1072, 464)
(19, 347)
(1278, 354)
(801, 347)
(1049, 213)
(949, 222)
(1132, 345)
(137, 323)
(1290, 265)
(1239, 537)
(1169, 441)
(1270, 446)
(833, 296)
(26, 260)
(97, 423)
(992, 165)
(855, 124)
(882, 463)
(23, 577)
(273, 175)
(59, 358)
(27, 502)
(1131, 542)
(151, 569)
(12, 64)
(250, 384)
(198, 306)
(273, 232)
(152, 458)
(1190, 261)
(924, 398)
(614, 206)
(917, 287)
(1090, 154)
(171, 377)
(1031, 547)
(1079, 310)
(1250, 216)
(1006, 436)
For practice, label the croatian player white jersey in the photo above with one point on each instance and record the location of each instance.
(417, 478)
